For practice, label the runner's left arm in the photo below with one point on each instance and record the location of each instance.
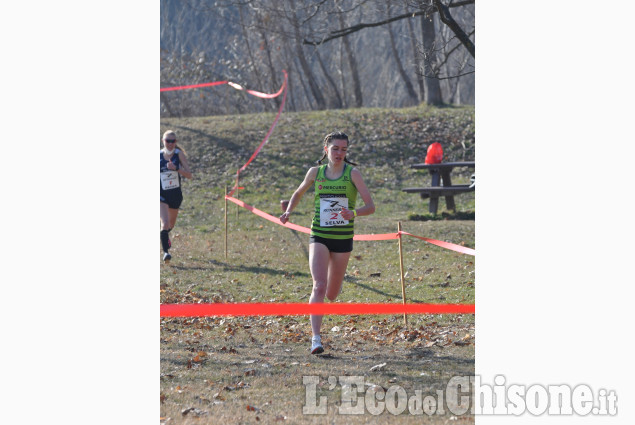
(184, 169)
(369, 205)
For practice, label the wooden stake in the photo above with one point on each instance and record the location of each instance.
(403, 283)
(237, 207)
(225, 222)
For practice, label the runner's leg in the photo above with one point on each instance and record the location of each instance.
(337, 270)
(165, 223)
(319, 256)
(173, 213)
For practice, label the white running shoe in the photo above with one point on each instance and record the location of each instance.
(316, 345)
(167, 257)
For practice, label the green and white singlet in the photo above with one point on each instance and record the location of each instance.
(330, 197)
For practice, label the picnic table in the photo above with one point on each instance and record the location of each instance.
(441, 173)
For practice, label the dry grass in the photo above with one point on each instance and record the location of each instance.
(249, 369)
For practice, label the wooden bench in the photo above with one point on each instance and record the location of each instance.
(440, 172)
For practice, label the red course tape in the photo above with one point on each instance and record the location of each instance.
(273, 125)
(446, 245)
(195, 86)
(288, 309)
(372, 237)
(253, 93)
(297, 309)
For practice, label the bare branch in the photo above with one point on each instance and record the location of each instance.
(446, 18)
(346, 31)
(449, 78)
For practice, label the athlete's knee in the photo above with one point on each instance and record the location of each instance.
(319, 290)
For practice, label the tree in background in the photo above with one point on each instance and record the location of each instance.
(335, 53)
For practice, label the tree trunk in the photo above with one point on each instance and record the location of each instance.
(164, 99)
(250, 52)
(417, 57)
(342, 82)
(336, 101)
(272, 70)
(353, 65)
(433, 88)
(410, 91)
(304, 64)
(288, 58)
(307, 94)
(446, 18)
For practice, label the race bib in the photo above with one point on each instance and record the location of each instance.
(169, 180)
(330, 208)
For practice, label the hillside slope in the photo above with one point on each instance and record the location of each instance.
(384, 142)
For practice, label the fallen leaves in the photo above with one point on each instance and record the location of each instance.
(194, 411)
(200, 357)
(464, 341)
(238, 386)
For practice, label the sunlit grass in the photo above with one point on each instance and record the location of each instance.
(266, 262)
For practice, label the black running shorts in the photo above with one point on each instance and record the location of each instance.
(172, 197)
(334, 245)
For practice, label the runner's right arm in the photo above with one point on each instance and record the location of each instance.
(309, 179)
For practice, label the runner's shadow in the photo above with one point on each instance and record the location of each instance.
(306, 252)
(216, 265)
(210, 139)
(327, 356)
(354, 281)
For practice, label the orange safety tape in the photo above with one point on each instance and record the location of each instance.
(229, 83)
(267, 216)
(253, 93)
(298, 309)
(195, 86)
(371, 237)
(446, 245)
(266, 139)
(276, 220)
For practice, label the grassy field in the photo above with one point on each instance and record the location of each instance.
(250, 370)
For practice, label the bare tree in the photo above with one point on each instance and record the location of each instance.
(352, 63)
(417, 59)
(402, 72)
(433, 88)
(446, 17)
(246, 37)
(304, 64)
(336, 53)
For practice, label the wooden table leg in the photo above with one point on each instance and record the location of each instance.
(434, 199)
(449, 203)
(436, 178)
(434, 204)
(447, 181)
